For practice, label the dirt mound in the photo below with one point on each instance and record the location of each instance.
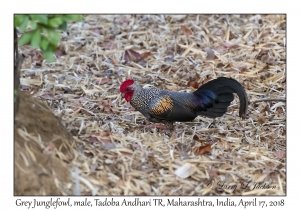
(42, 149)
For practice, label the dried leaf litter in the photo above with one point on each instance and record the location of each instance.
(116, 154)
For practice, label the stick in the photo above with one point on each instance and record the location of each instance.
(269, 99)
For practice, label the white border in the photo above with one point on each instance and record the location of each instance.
(153, 6)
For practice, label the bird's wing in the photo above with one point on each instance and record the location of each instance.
(169, 107)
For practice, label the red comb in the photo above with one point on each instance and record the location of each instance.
(125, 84)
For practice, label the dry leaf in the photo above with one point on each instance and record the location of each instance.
(224, 145)
(226, 166)
(219, 32)
(232, 70)
(131, 55)
(262, 119)
(220, 49)
(76, 100)
(193, 84)
(210, 53)
(97, 31)
(36, 57)
(261, 53)
(105, 133)
(213, 173)
(110, 46)
(114, 61)
(239, 128)
(202, 149)
(103, 81)
(46, 96)
(121, 183)
(59, 53)
(196, 138)
(107, 106)
(109, 145)
(232, 36)
(238, 69)
(145, 55)
(185, 171)
(61, 79)
(95, 72)
(186, 30)
(89, 154)
(241, 68)
(93, 140)
(25, 87)
(94, 166)
(230, 45)
(136, 146)
(280, 154)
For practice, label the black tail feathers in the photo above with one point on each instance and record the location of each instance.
(216, 95)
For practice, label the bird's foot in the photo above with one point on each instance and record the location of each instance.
(163, 127)
(166, 126)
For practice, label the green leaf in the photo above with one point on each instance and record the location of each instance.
(52, 47)
(25, 38)
(36, 38)
(33, 24)
(56, 21)
(44, 43)
(67, 17)
(49, 56)
(24, 23)
(73, 17)
(54, 36)
(18, 20)
(40, 18)
(45, 31)
(63, 26)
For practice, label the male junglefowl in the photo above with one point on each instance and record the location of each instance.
(210, 100)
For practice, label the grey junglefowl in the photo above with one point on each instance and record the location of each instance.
(210, 100)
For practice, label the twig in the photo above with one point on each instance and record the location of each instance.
(269, 99)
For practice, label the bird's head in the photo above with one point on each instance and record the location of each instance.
(127, 89)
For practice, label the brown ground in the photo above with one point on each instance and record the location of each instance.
(39, 138)
(115, 154)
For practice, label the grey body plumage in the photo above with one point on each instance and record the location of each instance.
(211, 100)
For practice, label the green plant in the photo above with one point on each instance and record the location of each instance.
(43, 31)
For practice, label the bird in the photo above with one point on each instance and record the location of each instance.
(209, 100)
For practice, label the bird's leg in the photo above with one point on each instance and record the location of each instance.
(167, 125)
(170, 131)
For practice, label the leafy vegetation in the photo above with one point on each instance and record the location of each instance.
(42, 31)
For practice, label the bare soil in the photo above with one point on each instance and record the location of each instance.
(39, 138)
